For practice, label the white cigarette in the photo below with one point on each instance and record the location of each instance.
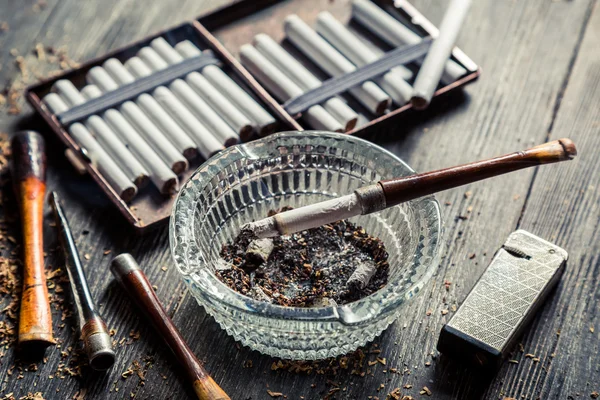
(395, 33)
(335, 64)
(235, 118)
(263, 121)
(160, 174)
(283, 88)
(393, 82)
(104, 135)
(161, 118)
(307, 217)
(207, 144)
(209, 118)
(432, 68)
(362, 275)
(303, 78)
(109, 170)
(350, 45)
(149, 131)
(259, 250)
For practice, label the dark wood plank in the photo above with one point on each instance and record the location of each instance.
(525, 50)
(563, 207)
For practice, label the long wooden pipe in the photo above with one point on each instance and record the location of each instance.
(29, 178)
(390, 192)
(134, 281)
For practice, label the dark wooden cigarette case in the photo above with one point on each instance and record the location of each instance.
(224, 31)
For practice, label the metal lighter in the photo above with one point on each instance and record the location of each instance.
(504, 300)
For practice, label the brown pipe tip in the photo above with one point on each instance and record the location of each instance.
(569, 147)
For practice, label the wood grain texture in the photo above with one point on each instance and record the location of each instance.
(540, 79)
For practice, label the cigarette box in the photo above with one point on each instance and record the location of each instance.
(224, 31)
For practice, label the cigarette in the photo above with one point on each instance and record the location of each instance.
(432, 68)
(303, 78)
(149, 131)
(332, 62)
(283, 88)
(207, 144)
(196, 104)
(392, 82)
(105, 136)
(235, 118)
(263, 122)
(396, 34)
(150, 106)
(109, 170)
(304, 218)
(362, 275)
(259, 250)
(161, 176)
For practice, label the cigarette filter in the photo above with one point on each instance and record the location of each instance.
(504, 300)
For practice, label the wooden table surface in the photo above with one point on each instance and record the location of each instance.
(540, 81)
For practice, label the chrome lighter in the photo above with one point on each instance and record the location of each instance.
(503, 301)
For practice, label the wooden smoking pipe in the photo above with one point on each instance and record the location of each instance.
(390, 192)
(129, 274)
(29, 178)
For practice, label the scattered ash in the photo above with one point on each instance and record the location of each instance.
(337, 263)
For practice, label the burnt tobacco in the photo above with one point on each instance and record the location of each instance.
(336, 263)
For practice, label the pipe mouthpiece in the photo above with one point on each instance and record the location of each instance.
(122, 265)
(568, 147)
(33, 346)
(99, 350)
(29, 156)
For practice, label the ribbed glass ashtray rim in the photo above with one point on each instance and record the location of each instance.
(215, 292)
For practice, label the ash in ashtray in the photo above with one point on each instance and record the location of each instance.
(334, 264)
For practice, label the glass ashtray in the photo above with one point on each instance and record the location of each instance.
(242, 183)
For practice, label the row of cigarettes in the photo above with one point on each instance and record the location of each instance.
(154, 136)
(337, 51)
